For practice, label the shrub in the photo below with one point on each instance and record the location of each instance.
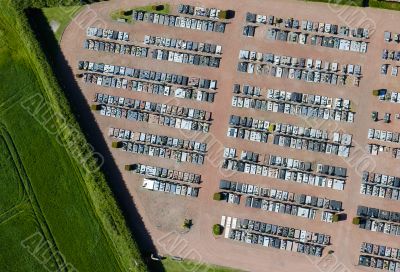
(335, 217)
(217, 229)
(217, 196)
(158, 7)
(375, 92)
(128, 12)
(128, 167)
(226, 14)
(116, 144)
(230, 14)
(187, 224)
(223, 15)
(356, 220)
(95, 107)
(271, 128)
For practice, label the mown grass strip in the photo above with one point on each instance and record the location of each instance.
(355, 3)
(382, 4)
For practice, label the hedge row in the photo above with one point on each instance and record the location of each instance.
(50, 3)
(94, 182)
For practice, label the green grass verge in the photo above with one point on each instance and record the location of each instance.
(61, 17)
(75, 201)
(384, 4)
(363, 3)
(120, 14)
(126, 14)
(186, 265)
(356, 3)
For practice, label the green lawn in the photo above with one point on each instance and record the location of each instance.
(179, 266)
(71, 206)
(60, 16)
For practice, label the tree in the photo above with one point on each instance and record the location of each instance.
(375, 92)
(335, 217)
(217, 196)
(218, 229)
(187, 224)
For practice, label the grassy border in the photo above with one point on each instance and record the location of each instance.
(379, 4)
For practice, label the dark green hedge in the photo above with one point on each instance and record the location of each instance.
(50, 3)
(217, 229)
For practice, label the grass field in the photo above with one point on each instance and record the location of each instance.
(18, 218)
(60, 17)
(59, 201)
(178, 266)
(10, 187)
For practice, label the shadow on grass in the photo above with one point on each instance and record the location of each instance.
(66, 80)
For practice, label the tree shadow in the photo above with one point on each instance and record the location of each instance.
(65, 77)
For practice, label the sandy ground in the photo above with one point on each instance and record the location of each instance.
(163, 214)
